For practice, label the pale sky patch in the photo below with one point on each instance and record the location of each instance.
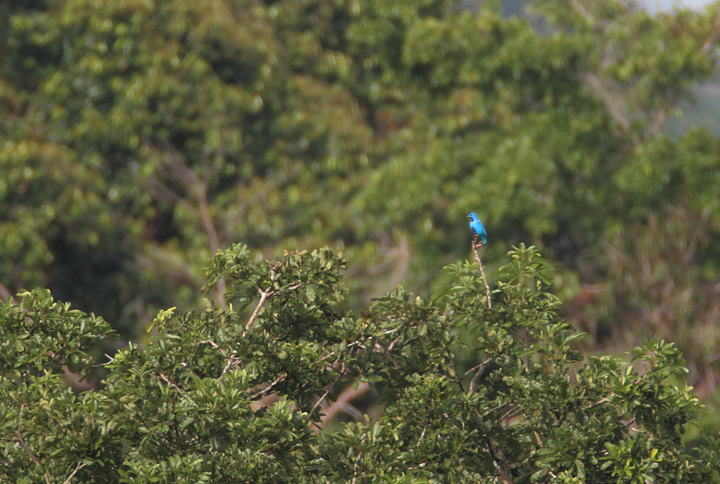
(668, 5)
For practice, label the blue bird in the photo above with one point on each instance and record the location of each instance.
(478, 228)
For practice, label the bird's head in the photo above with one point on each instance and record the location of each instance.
(473, 216)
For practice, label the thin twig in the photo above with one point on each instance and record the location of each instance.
(79, 466)
(421, 436)
(389, 357)
(577, 6)
(177, 388)
(329, 389)
(19, 439)
(496, 408)
(184, 175)
(596, 404)
(613, 105)
(263, 297)
(357, 461)
(480, 369)
(269, 388)
(475, 244)
(509, 414)
(538, 439)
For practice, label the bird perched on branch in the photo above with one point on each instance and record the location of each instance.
(478, 228)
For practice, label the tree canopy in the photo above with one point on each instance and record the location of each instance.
(141, 138)
(138, 137)
(218, 396)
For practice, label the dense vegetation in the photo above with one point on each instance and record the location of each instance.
(219, 396)
(139, 137)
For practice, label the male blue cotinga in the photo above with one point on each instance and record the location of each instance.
(478, 228)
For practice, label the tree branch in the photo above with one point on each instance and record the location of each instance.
(19, 439)
(79, 466)
(499, 462)
(177, 388)
(327, 392)
(269, 388)
(613, 107)
(176, 167)
(480, 369)
(596, 404)
(263, 297)
(475, 244)
(389, 357)
(707, 45)
(344, 399)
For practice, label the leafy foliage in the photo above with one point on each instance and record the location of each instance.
(139, 137)
(228, 395)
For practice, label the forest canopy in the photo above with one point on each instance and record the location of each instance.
(137, 137)
(225, 397)
(178, 179)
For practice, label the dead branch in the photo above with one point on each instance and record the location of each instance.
(475, 244)
(263, 297)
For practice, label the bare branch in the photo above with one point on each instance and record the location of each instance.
(269, 388)
(177, 388)
(79, 466)
(587, 16)
(357, 462)
(389, 357)
(421, 436)
(232, 359)
(183, 174)
(480, 369)
(509, 414)
(496, 408)
(263, 297)
(329, 389)
(178, 170)
(596, 404)
(577, 6)
(475, 244)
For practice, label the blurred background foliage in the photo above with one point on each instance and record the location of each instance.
(139, 136)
